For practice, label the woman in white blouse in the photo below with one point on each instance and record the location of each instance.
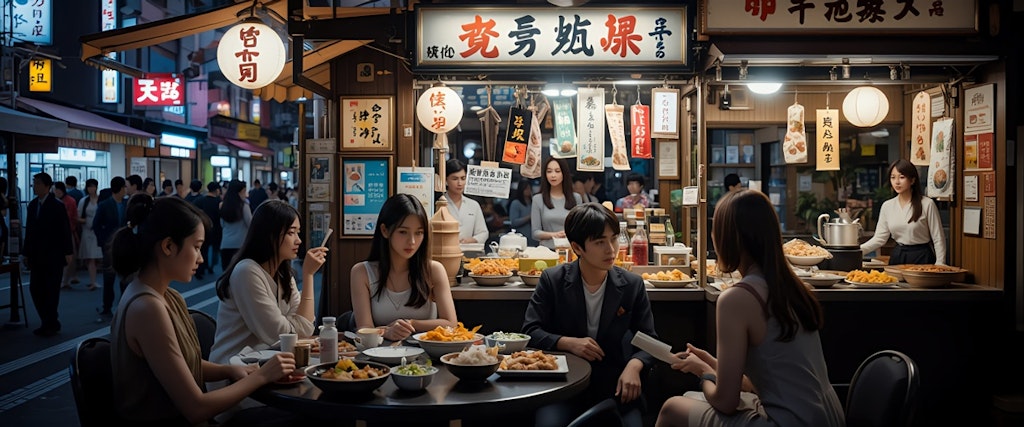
(911, 219)
(472, 227)
(259, 298)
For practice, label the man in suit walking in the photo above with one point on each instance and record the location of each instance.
(110, 216)
(47, 250)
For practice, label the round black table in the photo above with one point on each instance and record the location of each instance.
(445, 398)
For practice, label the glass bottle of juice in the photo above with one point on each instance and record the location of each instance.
(638, 246)
(623, 238)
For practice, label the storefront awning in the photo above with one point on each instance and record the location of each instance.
(18, 122)
(86, 126)
(315, 65)
(242, 145)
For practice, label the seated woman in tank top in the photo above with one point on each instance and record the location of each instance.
(399, 289)
(770, 370)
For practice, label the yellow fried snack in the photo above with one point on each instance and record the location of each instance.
(675, 275)
(874, 276)
(491, 266)
(447, 333)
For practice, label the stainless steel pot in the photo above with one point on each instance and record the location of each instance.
(838, 232)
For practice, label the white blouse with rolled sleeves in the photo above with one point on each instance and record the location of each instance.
(894, 221)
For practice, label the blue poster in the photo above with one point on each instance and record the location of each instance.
(364, 191)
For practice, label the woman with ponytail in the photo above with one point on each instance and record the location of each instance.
(158, 370)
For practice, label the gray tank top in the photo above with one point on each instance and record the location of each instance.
(791, 377)
(391, 305)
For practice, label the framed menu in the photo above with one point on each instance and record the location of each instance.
(366, 185)
(366, 123)
(320, 169)
(665, 113)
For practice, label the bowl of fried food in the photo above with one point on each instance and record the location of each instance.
(931, 275)
(799, 252)
(474, 364)
(872, 279)
(674, 278)
(443, 339)
(531, 278)
(348, 376)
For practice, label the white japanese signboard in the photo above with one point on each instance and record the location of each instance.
(552, 36)
(419, 183)
(488, 182)
(862, 17)
(29, 20)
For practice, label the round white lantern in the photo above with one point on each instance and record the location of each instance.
(865, 106)
(251, 54)
(439, 109)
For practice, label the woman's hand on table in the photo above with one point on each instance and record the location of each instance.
(586, 348)
(276, 367)
(399, 330)
(315, 258)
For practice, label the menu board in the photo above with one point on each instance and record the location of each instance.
(366, 185)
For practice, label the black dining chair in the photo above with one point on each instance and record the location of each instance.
(92, 383)
(206, 329)
(603, 414)
(883, 391)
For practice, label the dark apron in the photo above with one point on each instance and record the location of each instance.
(912, 254)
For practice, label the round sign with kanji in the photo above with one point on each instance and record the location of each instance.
(251, 55)
(439, 109)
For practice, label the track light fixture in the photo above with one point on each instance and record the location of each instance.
(718, 71)
(743, 69)
(846, 68)
(906, 71)
(893, 74)
(832, 73)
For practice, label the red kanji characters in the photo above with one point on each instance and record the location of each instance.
(478, 36)
(621, 36)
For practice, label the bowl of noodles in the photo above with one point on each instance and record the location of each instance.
(474, 364)
(443, 340)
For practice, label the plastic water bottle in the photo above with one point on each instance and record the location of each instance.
(670, 233)
(329, 341)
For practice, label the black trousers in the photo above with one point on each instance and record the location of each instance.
(44, 285)
(109, 276)
(913, 254)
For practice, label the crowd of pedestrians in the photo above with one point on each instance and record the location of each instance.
(66, 227)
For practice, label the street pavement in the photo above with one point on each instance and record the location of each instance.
(34, 374)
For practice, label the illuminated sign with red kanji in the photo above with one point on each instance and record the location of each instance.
(158, 90)
(558, 36)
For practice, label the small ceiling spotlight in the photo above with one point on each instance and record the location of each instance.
(846, 68)
(743, 69)
(906, 71)
(832, 73)
(893, 74)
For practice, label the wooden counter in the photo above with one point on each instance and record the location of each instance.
(848, 293)
(515, 290)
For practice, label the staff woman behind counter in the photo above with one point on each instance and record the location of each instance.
(911, 219)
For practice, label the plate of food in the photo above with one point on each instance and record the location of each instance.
(345, 348)
(799, 252)
(805, 260)
(872, 279)
(673, 283)
(489, 280)
(822, 280)
(931, 275)
(533, 364)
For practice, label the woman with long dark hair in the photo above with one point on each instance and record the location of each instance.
(399, 288)
(259, 297)
(149, 186)
(553, 203)
(770, 370)
(911, 219)
(235, 217)
(158, 370)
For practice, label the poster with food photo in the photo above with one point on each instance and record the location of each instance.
(794, 145)
(591, 125)
(940, 167)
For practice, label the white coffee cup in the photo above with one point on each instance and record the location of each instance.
(288, 342)
(369, 337)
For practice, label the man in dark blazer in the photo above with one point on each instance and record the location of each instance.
(47, 250)
(593, 309)
(110, 216)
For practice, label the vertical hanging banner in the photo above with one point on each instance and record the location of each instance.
(564, 144)
(531, 169)
(794, 146)
(921, 129)
(665, 113)
(517, 135)
(640, 135)
(617, 130)
(828, 139)
(940, 168)
(590, 153)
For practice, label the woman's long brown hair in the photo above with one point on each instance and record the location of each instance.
(907, 169)
(745, 226)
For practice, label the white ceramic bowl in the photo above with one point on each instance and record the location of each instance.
(469, 373)
(510, 345)
(805, 260)
(490, 280)
(436, 349)
(413, 382)
(530, 280)
(392, 355)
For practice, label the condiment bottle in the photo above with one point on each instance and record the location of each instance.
(670, 234)
(623, 238)
(638, 246)
(329, 341)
